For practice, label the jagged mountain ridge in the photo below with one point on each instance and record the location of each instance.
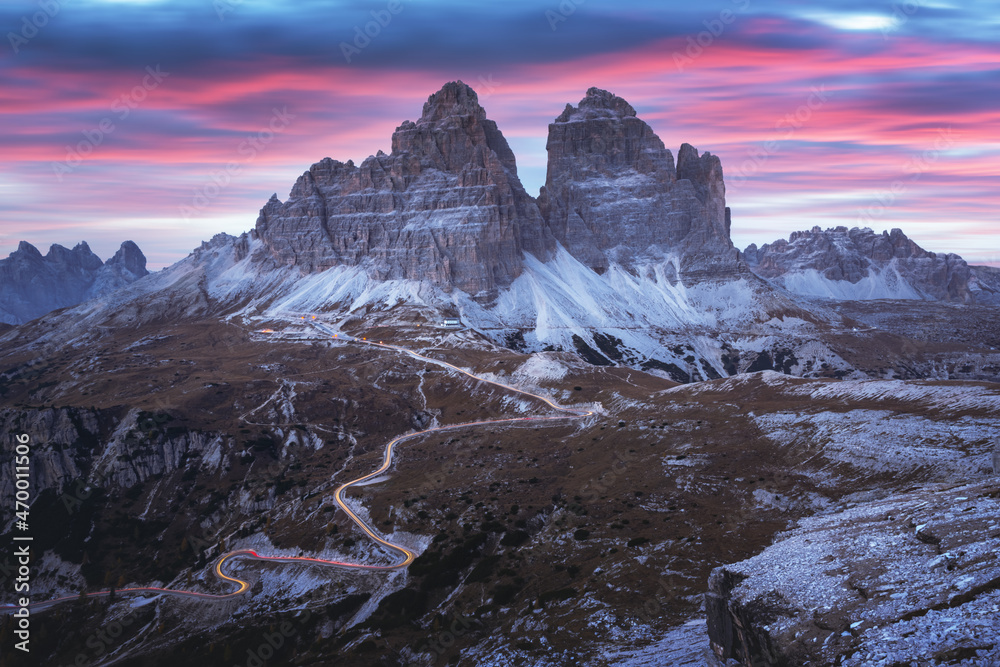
(32, 284)
(446, 205)
(625, 258)
(860, 264)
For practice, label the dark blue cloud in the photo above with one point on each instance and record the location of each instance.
(191, 34)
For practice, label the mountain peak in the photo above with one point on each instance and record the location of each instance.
(28, 249)
(861, 264)
(130, 258)
(598, 103)
(32, 285)
(454, 99)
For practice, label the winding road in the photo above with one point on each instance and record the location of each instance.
(406, 556)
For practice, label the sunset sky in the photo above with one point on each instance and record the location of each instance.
(114, 115)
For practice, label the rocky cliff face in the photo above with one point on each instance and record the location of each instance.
(32, 284)
(445, 206)
(860, 264)
(985, 285)
(613, 194)
(61, 440)
(125, 267)
(70, 445)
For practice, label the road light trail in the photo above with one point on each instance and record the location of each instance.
(407, 556)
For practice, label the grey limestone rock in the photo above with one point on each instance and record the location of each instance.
(909, 579)
(612, 192)
(852, 255)
(445, 206)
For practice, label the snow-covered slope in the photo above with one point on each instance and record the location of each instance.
(645, 316)
(886, 283)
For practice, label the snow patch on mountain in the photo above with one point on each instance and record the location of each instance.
(541, 367)
(947, 398)
(884, 284)
(878, 441)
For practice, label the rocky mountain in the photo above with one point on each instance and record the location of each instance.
(985, 284)
(625, 257)
(612, 193)
(859, 264)
(32, 284)
(218, 405)
(621, 248)
(445, 206)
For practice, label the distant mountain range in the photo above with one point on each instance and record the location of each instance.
(625, 256)
(32, 284)
(858, 264)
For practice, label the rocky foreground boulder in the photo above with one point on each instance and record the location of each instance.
(909, 579)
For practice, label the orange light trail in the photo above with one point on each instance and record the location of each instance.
(407, 556)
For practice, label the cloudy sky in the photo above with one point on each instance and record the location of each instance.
(165, 122)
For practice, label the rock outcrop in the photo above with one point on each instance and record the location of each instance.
(32, 284)
(70, 445)
(444, 206)
(861, 264)
(985, 285)
(613, 194)
(61, 441)
(911, 579)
